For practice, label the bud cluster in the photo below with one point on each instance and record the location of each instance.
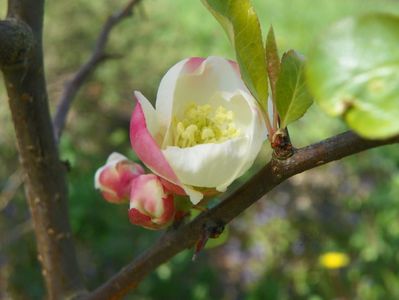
(121, 180)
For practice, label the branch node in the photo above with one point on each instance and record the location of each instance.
(281, 144)
(210, 229)
(17, 42)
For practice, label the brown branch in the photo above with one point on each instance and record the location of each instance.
(265, 180)
(98, 55)
(21, 62)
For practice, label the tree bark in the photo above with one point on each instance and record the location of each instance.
(21, 61)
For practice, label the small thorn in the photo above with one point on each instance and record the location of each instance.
(210, 230)
(200, 244)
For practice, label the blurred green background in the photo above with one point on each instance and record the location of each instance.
(273, 250)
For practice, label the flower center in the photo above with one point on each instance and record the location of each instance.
(204, 124)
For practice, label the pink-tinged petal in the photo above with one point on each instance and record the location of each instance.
(107, 183)
(235, 67)
(168, 211)
(115, 157)
(193, 64)
(173, 187)
(137, 218)
(128, 170)
(107, 176)
(115, 177)
(151, 155)
(151, 118)
(146, 148)
(147, 190)
(111, 196)
(151, 206)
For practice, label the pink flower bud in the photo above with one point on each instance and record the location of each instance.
(115, 178)
(151, 205)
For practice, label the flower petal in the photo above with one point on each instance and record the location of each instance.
(150, 205)
(214, 81)
(115, 177)
(207, 165)
(148, 150)
(249, 116)
(115, 157)
(112, 160)
(166, 92)
(145, 146)
(219, 164)
(194, 80)
(146, 195)
(195, 196)
(151, 118)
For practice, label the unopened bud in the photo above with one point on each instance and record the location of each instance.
(115, 178)
(151, 205)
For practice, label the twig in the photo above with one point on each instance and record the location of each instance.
(14, 182)
(15, 233)
(270, 176)
(98, 55)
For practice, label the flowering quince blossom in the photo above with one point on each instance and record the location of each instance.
(205, 131)
(151, 205)
(114, 179)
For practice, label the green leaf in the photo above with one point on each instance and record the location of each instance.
(239, 20)
(292, 95)
(273, 60)
(353, 72)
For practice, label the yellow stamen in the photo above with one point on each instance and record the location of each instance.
(204, 124)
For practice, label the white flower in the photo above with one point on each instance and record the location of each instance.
(205, 131)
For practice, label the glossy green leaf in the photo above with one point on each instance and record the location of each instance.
(273, 59)
(292, 95)
(241, 24)
(353, 72)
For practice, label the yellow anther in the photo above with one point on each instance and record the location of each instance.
(189, 136)
(180, 128)
(207, 134)
(204, 124)
(190, 132)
